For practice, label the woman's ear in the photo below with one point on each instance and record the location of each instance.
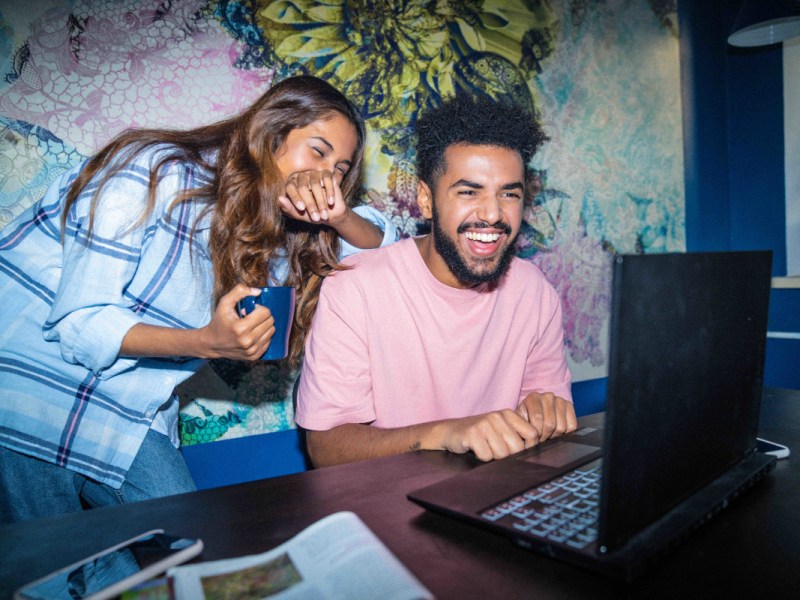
(425, 199)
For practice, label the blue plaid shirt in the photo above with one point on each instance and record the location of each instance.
(65, 395)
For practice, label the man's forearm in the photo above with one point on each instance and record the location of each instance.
(492, 435)
(353, 441)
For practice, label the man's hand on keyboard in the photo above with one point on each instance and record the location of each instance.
(489, 436)
(551, 415)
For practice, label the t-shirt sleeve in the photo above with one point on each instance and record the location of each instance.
(546, 369)
(335, 384)
(377, 218)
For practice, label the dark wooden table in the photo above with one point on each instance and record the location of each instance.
(751, 550)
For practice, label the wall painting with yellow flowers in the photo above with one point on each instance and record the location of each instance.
(602, 77)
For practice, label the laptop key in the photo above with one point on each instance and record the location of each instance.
(492, 514)
(554, 496)
(522, 525)
(541, 530)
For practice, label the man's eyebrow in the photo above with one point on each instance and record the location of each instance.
(467, 183)
(516, 185)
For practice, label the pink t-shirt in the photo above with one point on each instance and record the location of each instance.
(393, 346)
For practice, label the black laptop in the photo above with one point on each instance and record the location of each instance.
(686, 359)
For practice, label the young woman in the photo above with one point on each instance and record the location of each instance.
(125, 277)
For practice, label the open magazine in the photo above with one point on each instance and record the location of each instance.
(336, 557)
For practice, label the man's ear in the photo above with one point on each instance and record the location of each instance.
(425, 199)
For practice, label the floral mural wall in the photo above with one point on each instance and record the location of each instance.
(601, 75)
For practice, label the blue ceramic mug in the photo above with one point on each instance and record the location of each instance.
(280, 302)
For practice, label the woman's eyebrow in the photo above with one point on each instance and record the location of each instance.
(349, 163)
(323, 140)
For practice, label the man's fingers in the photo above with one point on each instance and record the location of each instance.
(481, 449)
(500, 434)
(549, 416)
(535, 415)
(572, 418)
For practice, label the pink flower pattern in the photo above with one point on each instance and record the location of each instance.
(580, 270)
(92, 71)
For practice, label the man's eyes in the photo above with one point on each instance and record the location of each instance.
(508, 195)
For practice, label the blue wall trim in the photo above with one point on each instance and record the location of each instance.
(784, 310)
(782, 368)
(247, 458)
(589, 396)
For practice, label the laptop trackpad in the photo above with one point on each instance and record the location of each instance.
(560, 454)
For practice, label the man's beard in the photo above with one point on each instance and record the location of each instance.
(448, 250)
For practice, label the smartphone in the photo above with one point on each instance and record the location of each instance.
(767, 447)
(109, 573)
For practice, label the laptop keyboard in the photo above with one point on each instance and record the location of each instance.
(563, 510)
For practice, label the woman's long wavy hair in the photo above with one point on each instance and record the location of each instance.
(247, 225)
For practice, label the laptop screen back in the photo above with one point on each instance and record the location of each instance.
(687, 341)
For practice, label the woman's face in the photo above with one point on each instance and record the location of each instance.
(327, 144)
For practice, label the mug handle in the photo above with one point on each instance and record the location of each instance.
(248, 304)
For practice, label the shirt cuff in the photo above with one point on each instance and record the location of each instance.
(378, 219)
(317, 422)
(96, 339)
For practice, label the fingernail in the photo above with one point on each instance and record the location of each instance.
(314, 216)
(324, 214)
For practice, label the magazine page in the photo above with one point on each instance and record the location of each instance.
(336, 557)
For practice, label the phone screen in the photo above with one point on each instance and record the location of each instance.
(102, 571)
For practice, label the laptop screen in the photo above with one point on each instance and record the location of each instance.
(687, 341)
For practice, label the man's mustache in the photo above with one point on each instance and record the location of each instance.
(504, 227)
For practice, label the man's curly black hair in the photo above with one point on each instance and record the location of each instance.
(462, 119)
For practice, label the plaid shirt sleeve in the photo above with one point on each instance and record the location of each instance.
(90, 316)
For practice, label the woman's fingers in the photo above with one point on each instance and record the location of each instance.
(312, 195)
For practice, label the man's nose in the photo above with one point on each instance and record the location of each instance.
(489, 210)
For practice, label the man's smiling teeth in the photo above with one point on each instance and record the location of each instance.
(482, 237)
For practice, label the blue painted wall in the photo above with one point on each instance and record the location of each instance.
(734, 159)
(734, 167)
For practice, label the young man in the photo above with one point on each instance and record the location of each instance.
(445, 341)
